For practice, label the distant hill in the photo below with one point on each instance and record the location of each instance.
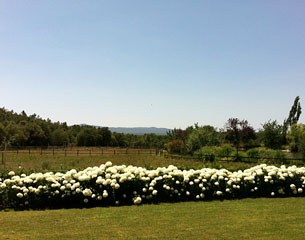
(140, 130)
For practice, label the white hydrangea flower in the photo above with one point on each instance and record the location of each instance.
(137, 200)
(219, 193)
(19, 195)
(105, 194)
(87, 192)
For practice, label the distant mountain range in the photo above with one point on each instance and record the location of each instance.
(140, 130)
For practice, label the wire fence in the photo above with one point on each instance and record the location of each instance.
(94, 151)
(244, 159)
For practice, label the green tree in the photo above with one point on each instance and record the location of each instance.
(293, 117)
(2, 134)
(87, 136)
(176, 146)
(177, 134)
(202, 136)
(148, 140)
(104, 136)
(12, 134)
(239, 133)
(301, 147)
(35, 134)
(176, 140)
(59, 137)
(15, 135)
(296, 138)
(271, 134)
(118, 140)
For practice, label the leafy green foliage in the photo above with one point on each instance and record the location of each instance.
(202, 136)
(210, 153)
(293, 117)
(176, 146)
(295, 112)
(296, 138)
(239, 133)
(225, 150)
(20, 130)
(272, 135)
(266, 154)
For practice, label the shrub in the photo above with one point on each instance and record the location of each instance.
(207, 153)
(225, 150)
(176, 146)
(266, 155)
(211, 153)
(253, 153)
(109, 185)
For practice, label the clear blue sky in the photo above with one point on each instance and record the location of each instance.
(162, 63)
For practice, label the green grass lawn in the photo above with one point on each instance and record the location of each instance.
(237, 219)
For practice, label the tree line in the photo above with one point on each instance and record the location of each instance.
(240, 135)
(21, 130)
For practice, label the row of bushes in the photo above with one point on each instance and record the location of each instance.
(108, 185)
(227, 152)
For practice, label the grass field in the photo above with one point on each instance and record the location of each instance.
(59, 162)
(238, 219)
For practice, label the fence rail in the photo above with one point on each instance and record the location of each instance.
(82, 151)
(75, 152)
(96, 151)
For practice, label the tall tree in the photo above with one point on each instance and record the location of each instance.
(239, 132)
(293, 117)
(177, 140)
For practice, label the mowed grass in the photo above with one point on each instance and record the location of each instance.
(237, 219)
(37, 162)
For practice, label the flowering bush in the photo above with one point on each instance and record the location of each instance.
(120, 185)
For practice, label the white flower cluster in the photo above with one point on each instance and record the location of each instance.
(117, 185)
